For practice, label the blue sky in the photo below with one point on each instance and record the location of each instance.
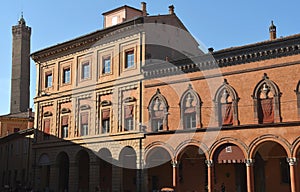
(215, 23)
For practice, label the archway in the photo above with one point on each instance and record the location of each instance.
(230, 168)
(159, 168)
(105, 170)
(83, 163)
(192, 170)
(271, 170)
(127, 159)
(62, 162)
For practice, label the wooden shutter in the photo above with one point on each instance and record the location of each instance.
(105, 114)
(47, 126)
(84, 118)
(227, 114)
(65, 120)
(128, 111)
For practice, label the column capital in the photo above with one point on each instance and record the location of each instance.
(209, 163)
(249, 162)
(174, 163)
(292, 161)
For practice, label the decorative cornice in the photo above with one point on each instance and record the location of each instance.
(86, 40)
(228, 57)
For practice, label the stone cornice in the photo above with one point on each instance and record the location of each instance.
(85, 40)
(227, 57)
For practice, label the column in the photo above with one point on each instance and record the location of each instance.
(210, 175)
(250, 175)
(174, 166)
(292, 162)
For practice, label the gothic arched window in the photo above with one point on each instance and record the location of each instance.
(297, 91)
(226, 105)
(158, 112)
(266, 98)
(190, 104)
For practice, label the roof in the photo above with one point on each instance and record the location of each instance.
(21, 133)
(17, 115)
(119, 8)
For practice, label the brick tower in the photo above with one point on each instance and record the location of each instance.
(20, 80)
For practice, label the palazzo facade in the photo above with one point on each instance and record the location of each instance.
(137, 106)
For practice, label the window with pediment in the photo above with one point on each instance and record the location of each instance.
(226, 105)
(158, 112)
(266, 98)
(190, 104)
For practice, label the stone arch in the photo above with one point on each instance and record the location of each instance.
(190, 109)
(295, 147)
(158, 112)
(266, 101)
(227, 140)
(192, 142)
(271, 138)
(226, 105)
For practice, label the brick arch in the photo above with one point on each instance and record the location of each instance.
(160, 144)
(188, 143)
(227, 140)
(295, 147)
(265, 138)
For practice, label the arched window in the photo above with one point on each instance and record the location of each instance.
(158, 112)
(190, 104)
(226, 105)
(297, 91)
(266, 101)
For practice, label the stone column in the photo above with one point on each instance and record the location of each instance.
(210, 175)
(174, 166)
(292, 162)
(250, 175)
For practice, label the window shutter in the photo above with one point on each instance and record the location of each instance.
(84, 118)
(128, 111)
(64, 120)
(227, 113)
(47, 126)
(105, 114)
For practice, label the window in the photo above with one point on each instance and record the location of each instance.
(129, 59)
(84, 127)
(266, 98)
(48, 82)
(64, 127)
(105, 121)
(85, 70)
(226, 105)
(106, 65)
(46, 129)
(158, 111)
(66, 75)
(129, 125)
(190, 104)
(190, 120)
(114, 20)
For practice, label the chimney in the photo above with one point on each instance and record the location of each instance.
(272, 30)
(171, 9)
(210, 50)
(144, 8)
